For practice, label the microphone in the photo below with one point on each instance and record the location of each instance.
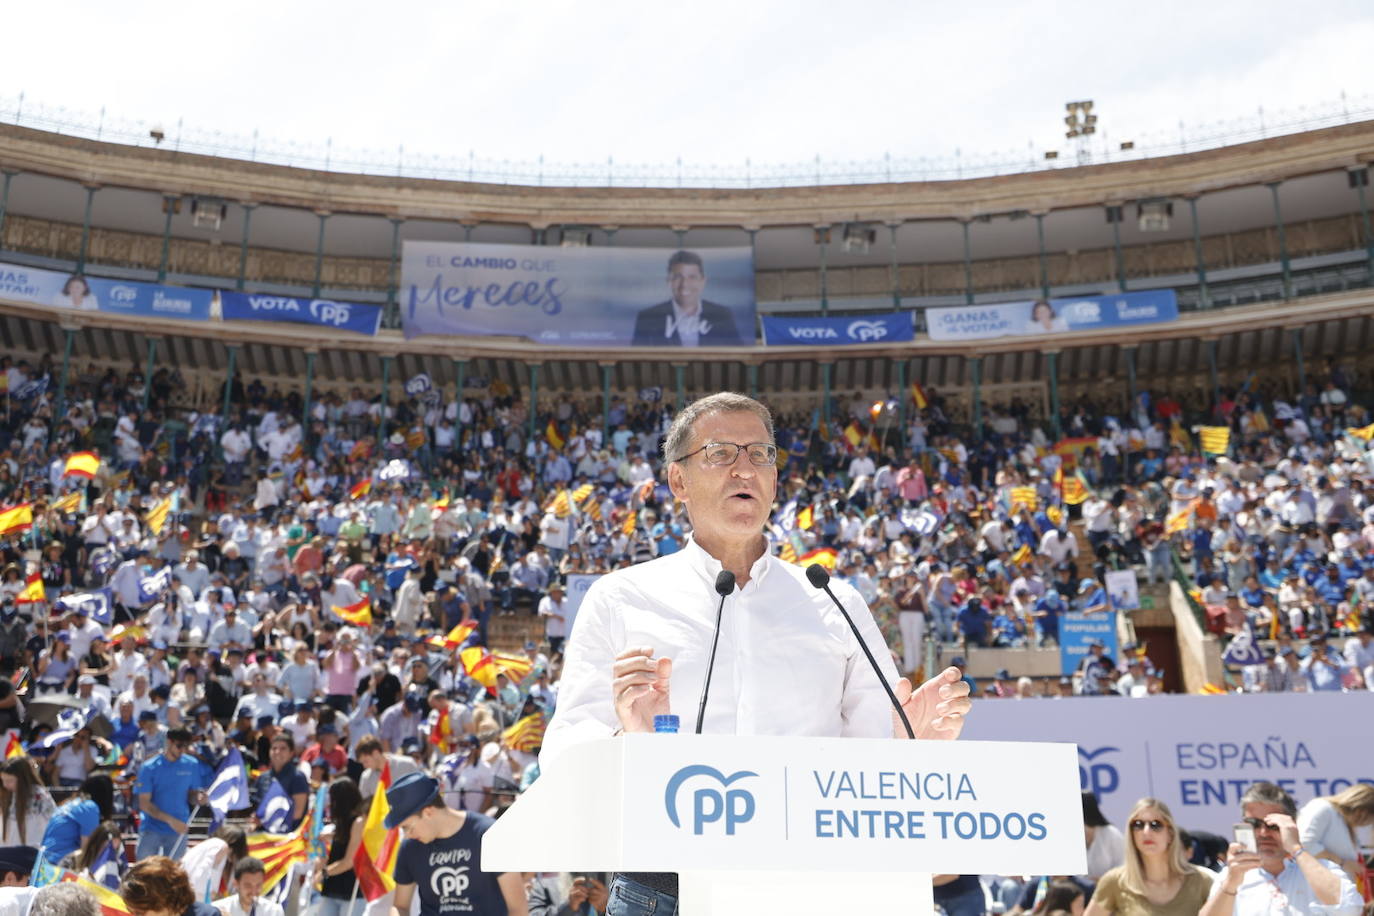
(819, 578)
(725, 584)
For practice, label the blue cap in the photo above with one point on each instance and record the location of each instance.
(408, 796)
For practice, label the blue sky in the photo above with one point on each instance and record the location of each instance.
(716, 82)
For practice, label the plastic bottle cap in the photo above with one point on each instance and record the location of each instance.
(666, 723)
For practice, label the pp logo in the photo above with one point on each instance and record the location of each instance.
(123, 293)
(450, 882)
(864, 331)
(711, 805)
(1099, 778)
(1083, 313)
(326, 312)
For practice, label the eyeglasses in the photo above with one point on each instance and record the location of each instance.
(1154, 826)
(1261, 824)
(724, 454)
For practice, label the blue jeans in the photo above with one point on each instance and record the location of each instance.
(158, 843)
(630, 898)
(329, 906)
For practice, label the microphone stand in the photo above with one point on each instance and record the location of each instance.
(725, 584)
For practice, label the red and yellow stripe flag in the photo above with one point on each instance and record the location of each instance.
(478, 664)
(157, 516)
(359, 614)
(806, 518)
(440, 505)
(1212, 689)
(560, 505)
(16, 518)
(631, 521)
(279, 851)
(1024, 496)
(14, 748)
(82, 464)
(33, 592)
(1216, 440)
(1364, 432)
(375, 861)
(69, 503)
(360, 489)
(918, 396)
(526, 734)
(551, 434)
(441, 733)
(1179, 520)
(111, 904)
(854, 434)
(1022, 554)
(579, 496)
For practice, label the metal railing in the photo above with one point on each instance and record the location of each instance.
(815, 171)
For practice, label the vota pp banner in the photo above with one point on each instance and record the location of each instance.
(1053, 316)
(1196, 753)
(89, 294)
(345, 316)
(644, 297)
(890, 327)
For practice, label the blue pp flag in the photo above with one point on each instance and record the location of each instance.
(229, 791)
(1244, 649)
(150, 588)
(274, 812)
(109, 867)
(97, 605)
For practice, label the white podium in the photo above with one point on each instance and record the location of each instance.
(798, 825)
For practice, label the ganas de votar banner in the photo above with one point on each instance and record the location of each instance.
(91, 294)
(647, 297)
(1053, 316)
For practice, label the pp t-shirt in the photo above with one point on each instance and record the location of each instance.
(169, 784)
(447, 873)
(71, 824)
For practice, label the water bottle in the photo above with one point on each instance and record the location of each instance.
(666, 725)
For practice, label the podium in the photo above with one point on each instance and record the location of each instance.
(798, 825)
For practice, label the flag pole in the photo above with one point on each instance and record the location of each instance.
(181, 839)
(353, 899)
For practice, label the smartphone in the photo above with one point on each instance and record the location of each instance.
(1245, 836)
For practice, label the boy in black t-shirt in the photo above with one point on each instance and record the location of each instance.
(441, 856)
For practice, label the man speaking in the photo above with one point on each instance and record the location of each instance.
(787, 662)
(685, 320)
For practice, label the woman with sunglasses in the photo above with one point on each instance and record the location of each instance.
(1156, 878)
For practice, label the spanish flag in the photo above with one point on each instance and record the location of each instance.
(1216, 440)
(806, 518)
(1364, 432)
(440, 505)
(360, 489)
(526, 734)
(441, 733)
(16, 518)
(825, 556)
(854, 434)
(359, 614)
(459, 635)
(551, 434)
(82, 464)
(157, 516)
(478, 664)
(111, 904)
(14, 748)
(33, 591)
(918, 396)
(375, 860)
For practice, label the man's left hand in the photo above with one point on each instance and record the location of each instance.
(936, 710)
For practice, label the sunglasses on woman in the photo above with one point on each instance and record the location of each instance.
(1154, 826)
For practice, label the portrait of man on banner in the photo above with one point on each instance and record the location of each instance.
(686, 319)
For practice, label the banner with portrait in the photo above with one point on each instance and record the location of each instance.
(650, 297)
(1052, 316)
(56, 289)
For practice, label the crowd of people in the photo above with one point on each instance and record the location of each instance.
(301, 593)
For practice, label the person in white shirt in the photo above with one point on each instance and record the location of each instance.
(640, 648)
(555, 614)
(249, 876)
(1282, 876)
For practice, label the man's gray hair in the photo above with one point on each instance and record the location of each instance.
(679, 437)
(64, 900)
(1266, 793)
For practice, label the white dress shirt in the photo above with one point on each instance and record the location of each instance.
(787, 663)
(1289, 894)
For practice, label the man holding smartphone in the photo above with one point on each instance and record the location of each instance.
(1278, 876)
